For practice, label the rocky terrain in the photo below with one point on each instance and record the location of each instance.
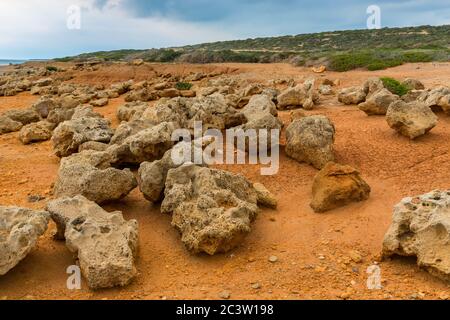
(88, 179)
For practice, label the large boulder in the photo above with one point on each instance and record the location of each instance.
(421, 228)
(105, 244)
(378, 103)
(310, 140)
(44, 105)
(437, 97)
(88, 173)
(131, 110)
(8, 125)
(412, 119)
(372, 85)
(352, 95)
(336, 186)
(36, 132)
(212, 209)
(19, 231)
(69, 135)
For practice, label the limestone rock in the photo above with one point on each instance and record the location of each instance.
(352, 95)
(131, 110)
(212, 209)
(69, 135)
(88, 173)
(265, 197)
(8, 125)
(421, 228)
(24, 116)
(412, 119)
(336, 186)
(310, 140)
(413, 84)
(378, 103)
(19, 231)
(105, 244)
(299, 96)
(35, 132)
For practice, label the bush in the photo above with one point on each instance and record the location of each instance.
(52, 68)
(183, 86)
(394, 86)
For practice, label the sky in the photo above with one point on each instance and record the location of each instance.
(39, 29)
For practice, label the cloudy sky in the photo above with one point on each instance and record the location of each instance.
(38, 28)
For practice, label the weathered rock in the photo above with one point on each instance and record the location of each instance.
(299, 96)
(35, 132)
(24, 116)
(421, 228)
(89, 174)
(310, 140)
(352, 95)
(212, 209)
(336, 186)
(378, 103)
(19, 231)
(372, 86)
(413, 84)
(141, 95)
(100, 102)
(105, 244)
(326, 90)
(68, 102)
(259, 106)
(146, 145)
(133, 110)
(264, 196)
(8, 125)
(93, 145)
(437, 97)
(44, 105)
(412, 119)
(69, 135)
(43, 82)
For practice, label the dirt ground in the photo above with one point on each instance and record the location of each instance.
(313, 249)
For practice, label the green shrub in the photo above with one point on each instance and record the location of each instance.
(183, 86)
(394, 86)
(52, 68)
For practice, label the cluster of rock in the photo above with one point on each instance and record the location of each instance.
(411, 115)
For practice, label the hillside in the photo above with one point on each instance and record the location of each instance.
(339, 50)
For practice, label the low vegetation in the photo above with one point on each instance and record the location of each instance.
(339, 51)
(395, 86)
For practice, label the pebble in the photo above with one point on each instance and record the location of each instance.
(273, 259)
(224, 295)
(256, 286)
(355, 256)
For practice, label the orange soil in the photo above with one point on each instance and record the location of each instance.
(312, 249)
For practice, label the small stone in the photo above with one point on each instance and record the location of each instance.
(273, 259)
(225, 295)
(256, 286)
(35, 198)
(355, 256)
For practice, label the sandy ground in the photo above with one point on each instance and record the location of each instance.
(312, 249)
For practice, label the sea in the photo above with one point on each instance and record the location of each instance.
(5, 62)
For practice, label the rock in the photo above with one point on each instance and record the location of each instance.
(224, 295)
(36, 132)
(131, 110)
(326, 90)
(93, 145)
(212, 209)
(412, 95)
(265, 197)
(24, 116)
(85, 111)
(128, 129)
(372, 86)
(299, 96)
(436, 97)
(310, 140)
(273, 259)
(59, 115)
(352, 95)
(69, 135)
(259, 106)
(68, 102)
(105, 244)
(44, 105)
(169, 93)
(43, 82)
(89, 174)
(421, 228)
(378, 103)
(413, 84)
(8, 125)
(336, 186)
(99, 102)
(19, 231)
(412, 119)
(137, 62)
